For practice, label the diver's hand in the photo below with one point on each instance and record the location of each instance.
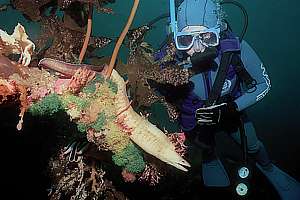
(215, 114)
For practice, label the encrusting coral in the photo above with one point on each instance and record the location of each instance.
(109, 106)
(104, 107)
(12, 91)
(95, 98)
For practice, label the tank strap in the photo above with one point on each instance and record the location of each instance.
(241, 72)
(220, 78)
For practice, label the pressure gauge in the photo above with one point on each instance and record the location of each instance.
(243, 172)
(241, 189)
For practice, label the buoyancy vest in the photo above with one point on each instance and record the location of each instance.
(192, 102)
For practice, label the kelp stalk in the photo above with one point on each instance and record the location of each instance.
(88, 33)
(121, 38)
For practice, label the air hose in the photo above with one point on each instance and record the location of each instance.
(157, 19)
(246, 18)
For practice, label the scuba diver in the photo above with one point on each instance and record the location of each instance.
(228, 77)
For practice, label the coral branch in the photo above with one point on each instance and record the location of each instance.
(121, 38)
(24, 104)
(93, 177)
(88, 33)
(150, 175)
(11, 92)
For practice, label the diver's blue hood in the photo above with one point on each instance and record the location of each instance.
(196, 13)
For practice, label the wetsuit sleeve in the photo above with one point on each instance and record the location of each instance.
(257, 70)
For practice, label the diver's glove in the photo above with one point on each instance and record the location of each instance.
(216, 114)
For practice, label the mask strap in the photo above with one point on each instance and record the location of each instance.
(173, 17)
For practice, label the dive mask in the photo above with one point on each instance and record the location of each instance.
(184, 40)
